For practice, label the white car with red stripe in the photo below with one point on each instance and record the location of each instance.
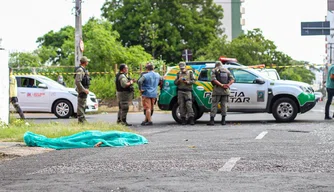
(37, 93)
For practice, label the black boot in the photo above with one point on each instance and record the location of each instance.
(183, 121)
(125, 123)
(223, 120)
(118, 120)
(212, 121)
(191, 120)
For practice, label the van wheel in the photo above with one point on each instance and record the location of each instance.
(176, 113)
(285, 110)
(199, 114)
(63, 109)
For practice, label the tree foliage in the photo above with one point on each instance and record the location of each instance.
(24, 59)
(251, 48)
(165, 27)
(102, 46)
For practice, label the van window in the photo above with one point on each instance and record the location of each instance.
(27, 82)
(205, 75)
(242, 76)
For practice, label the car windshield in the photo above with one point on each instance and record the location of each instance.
(51, 82)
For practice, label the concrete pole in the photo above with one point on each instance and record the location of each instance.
(78, 32)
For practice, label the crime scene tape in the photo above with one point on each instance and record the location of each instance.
(54, 73)
(239, 67)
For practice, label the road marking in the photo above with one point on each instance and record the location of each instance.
(261, 135)
(230, 164)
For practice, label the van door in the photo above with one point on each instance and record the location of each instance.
(246, 94)
(202, 89)
(32, 98)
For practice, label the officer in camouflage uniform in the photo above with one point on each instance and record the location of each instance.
(13, 93)
(82, 82)
(124, 87)
(184, 81)
(221, 79)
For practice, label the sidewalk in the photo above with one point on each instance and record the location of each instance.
(11, 150)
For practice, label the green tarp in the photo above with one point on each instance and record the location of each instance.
(85, 139)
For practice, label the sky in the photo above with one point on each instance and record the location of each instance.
(23, 21)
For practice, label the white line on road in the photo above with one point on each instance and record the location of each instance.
(261, 135)
(229, 164)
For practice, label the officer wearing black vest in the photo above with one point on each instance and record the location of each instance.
(124, 87)
(221, 80)
(82, 82)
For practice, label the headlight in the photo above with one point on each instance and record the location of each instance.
(74, 93)
(306, 89)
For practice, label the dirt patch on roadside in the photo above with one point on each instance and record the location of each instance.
(4, 156)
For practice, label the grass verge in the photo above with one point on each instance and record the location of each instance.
(15, 130)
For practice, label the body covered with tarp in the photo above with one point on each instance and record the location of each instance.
(85, 139)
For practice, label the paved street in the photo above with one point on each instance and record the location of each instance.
(253, 154)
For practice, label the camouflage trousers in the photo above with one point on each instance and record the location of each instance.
(14, 102)
(216, 99)
(123, 99)
(81, 109)
(185, 102)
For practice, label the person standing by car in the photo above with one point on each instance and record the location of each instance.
(61, 81)
(221, 79)
(82, 82)
(13, 93)
(148, 84)
(124, 88)
(330, 90)
(184, 82)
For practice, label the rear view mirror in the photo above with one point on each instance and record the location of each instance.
(43, 86)
(259, 81)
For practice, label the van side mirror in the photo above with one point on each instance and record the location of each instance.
(259, 81)
(43, 86)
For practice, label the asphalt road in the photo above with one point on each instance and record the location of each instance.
(251, 153)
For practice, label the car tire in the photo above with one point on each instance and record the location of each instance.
(176, 114)
(63, 109)
(74, 115)
(285, 110)
(199, 114)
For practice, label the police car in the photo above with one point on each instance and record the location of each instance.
(252, 91)
(38, 93)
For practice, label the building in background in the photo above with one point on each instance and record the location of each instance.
(232, 21)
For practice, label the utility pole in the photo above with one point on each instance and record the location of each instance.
(78, 33)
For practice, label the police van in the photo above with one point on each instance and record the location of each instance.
(252, 91)
(37, 93)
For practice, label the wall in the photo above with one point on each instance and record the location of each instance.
(4, 84)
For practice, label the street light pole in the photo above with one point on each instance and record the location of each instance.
(78, 33)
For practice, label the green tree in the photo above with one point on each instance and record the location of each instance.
(297, 72)
(102, 46)
(251, 48)
(56, 48)
(24, 59)
(165, 27)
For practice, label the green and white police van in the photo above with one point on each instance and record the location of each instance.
(252, 92)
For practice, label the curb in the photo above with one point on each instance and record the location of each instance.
(11, 150)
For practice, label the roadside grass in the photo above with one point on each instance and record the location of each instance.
(15, 130)
(103, 109)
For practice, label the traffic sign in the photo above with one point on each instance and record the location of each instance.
(82, 45)
(187, 55)
(315, 28)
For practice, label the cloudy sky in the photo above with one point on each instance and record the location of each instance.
(23, 21)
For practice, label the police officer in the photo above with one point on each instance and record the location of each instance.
(221, 79)
(124, 87)
(13, 93)
(82, 82)
(184, 81)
